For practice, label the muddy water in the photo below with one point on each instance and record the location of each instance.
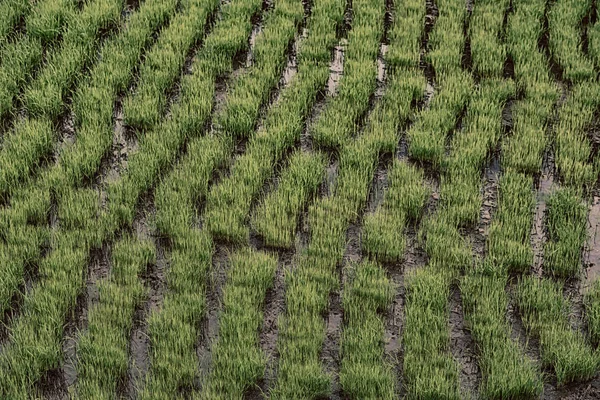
(336, 69)
(592, 256)
(381, 71)
(538, 235)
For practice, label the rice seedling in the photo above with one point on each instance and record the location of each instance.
(403, 202)
(565, 38)
(338, 121)
(429, 369)
(364, 374)
(545, 315)
(277, 216)
(566, 227)
(506, 371)
(144, 107)
(12, 12)
(237, 360)
(485, 28)
(592, 312)
(103, 349)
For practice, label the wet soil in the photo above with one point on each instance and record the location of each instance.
(592, 251)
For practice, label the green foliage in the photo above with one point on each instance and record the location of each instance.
(545, 315)
(363, 372)
(103, 350)
(238, 361)
(277, 216)
(592, 312)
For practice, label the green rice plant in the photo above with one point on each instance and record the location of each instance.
(545, 315)
(12, 12)
(564, 27)
(338, 121)
(593, 34)
(48, 19)
(174, 329)
(573, 150)
(509, 237)
(446, 39)
(429, 369)
(407, 41)
(403, 202)
(22, 149)
(485, 27)
(506, 371)
(237, 359)
(277, 216)
(427, 137)
(144, 108)
(364, 374)
(566, 227)
(18, 61)
(592, 312)
(45, 96)
(103, 349)
(229, 202)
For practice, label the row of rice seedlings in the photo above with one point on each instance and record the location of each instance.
(302, 329)
(103, 350)
(277, 216)
(509, 239)
(144, 108)
(44, 26)
(592, 312)
(545, 314)
(229, 202)
(12, 11)
(33, 138)
(427, 137)
(364, 374)
(565, 19)
(403, 202)
(237, 359)
(36, 335)
(338, 121)
(488, 50)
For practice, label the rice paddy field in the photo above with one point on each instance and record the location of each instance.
(299, 199)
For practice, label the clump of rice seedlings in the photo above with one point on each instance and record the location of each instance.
(566, 225)
(18, 61)
(592, 312)
(48, 19)
(510, 233)
(364, 374)
(358, 83)
(277, 217)
(564, 26)
(485, 27)
(103, 350)
(403, 202)
(506, 371)
(144, 108)
(22, 149)
(46, 94)
(173, 330)
(229, 202)
(12, 12)
(573, 150)
(237, 359)
(446, 40)
(545, 315)
(429, 369)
